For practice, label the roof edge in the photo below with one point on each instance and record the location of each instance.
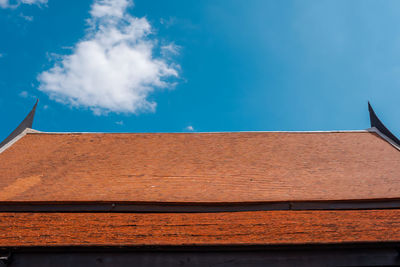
(16, 138)
(384, 137)
(21, 128)
(381, 129)
(332, 131)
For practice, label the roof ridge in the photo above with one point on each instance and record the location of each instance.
(332, 131)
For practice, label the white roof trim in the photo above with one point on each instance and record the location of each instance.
(334, 131)
(12, 141)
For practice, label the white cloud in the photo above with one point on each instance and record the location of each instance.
(7, 4)
(109, 8)
(170, 49)
(119, 123)
(4, 3)
(24, 94)
(30, 2)
(27, 18)
(113, 69)
(168, 22)
(189, 128)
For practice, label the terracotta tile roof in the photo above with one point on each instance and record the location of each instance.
(200, 167)
(237, 228)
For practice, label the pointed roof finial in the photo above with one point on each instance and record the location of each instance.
(376, 122)
(26, 123)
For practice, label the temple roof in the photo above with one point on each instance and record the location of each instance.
(179, 189)
(200, 167)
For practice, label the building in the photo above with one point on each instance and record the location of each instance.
(200, 199)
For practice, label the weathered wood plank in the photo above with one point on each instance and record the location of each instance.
(239, 228)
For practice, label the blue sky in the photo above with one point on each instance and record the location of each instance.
(213, 65)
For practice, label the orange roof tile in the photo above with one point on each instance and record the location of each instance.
(237, 228)
(200, 167)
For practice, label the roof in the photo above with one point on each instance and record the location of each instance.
(182, 189)
(238, 228)
(200, 167)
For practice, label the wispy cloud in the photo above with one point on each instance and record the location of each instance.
(30, 2)
(7, 4)
(189, 128)
(119, 123)
(26, 94)
(168, 22)
(170, 49)
(113, 69)
(178, 22)
(23, 94)
(27, 18)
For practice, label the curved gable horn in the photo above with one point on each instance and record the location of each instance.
(25, 124)
(376, 122)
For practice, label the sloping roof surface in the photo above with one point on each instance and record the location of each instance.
(200, 167)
